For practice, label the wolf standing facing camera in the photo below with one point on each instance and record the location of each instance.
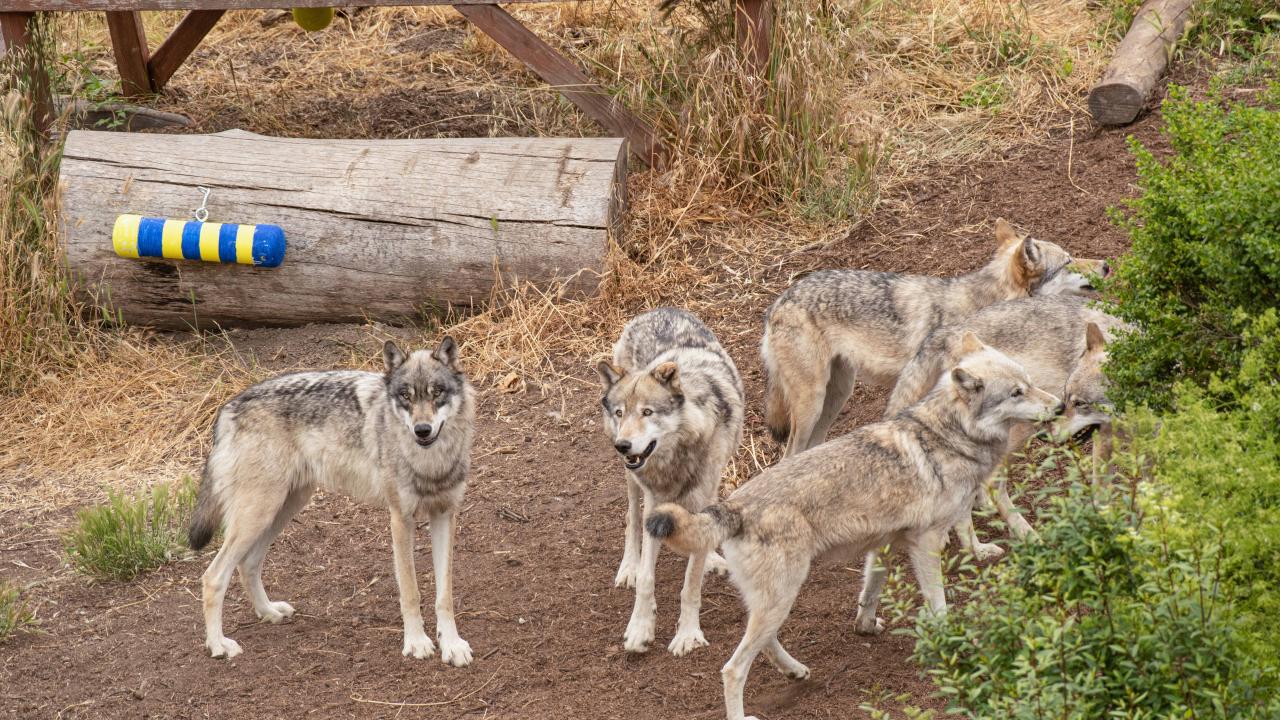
(400, 439)
(673, 407)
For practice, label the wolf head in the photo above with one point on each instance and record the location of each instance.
(1086, 393)
(425, 389)
(1039, 267)
(642, 411)
(996, 391)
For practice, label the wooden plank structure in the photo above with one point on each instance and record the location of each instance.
(1139, 61)
(143, 72)
(375, 228)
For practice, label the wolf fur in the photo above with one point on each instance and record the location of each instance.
(673, 408)
(834, 327)
(401, 439)
(1089, 412)
(1046, 335)
(903, 482)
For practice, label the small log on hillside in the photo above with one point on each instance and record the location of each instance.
(380, 229)
(1139, 61)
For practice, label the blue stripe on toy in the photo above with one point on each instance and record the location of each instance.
(150, 234)
(227, 243)
(191, 240)
(268, 246)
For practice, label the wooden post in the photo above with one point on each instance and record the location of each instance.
(176, 48)
(15, 35)
(753, 22)
(130, 43)
(1139, 61)
(566, 77)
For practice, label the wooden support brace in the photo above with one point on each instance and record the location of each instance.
(753, 21)
(176, 48)
(565, 76)
(130, 44)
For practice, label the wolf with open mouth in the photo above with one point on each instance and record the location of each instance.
(673, 409)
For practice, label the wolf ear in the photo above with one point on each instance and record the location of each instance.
(447, 352)
(1094, 339)
(392, 356)
(1005, 234)
(966, 380)
(610, 374)
(668, 373)
(970, 343)
(1030, 253)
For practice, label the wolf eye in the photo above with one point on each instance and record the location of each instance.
(1017, 392)
(646, 412)
(618, 412)
(1079, 402)
(404, 393)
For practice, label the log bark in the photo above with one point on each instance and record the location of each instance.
(1139, 62)
(381, 229)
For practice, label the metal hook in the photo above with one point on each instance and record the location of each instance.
(202, 212)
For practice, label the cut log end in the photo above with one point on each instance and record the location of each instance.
(1116, 103)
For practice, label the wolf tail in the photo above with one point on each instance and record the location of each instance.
(916, 379)
(207, 516)
(690, 533)
(777, 416)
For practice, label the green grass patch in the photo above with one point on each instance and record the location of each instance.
(15, 615)
(132, 534)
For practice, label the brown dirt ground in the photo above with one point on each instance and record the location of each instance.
(540, 538)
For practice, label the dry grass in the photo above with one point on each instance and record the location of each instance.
(859, 97)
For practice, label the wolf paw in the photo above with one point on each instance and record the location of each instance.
(1022, 529)
(987, 551)
(275, 612)
(716, 564)
(638, 635)
(797, 672)
(418, 646)
(626, 577)
(686, 641)
(869, 627)
(455, 651)
(223, 647)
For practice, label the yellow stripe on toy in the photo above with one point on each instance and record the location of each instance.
(135, 236)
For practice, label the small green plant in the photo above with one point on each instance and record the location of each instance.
(132, 534)
(1110, 615)
(14, 613)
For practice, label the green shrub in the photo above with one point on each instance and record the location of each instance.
(1206, 250)
(132, 534)
(14, 613)
(1108, 617)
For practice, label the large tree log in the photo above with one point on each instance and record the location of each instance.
(1139, 61)
(375, 228)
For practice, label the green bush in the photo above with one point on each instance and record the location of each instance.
(1108, 617)
(131, 534)
(1205, 260)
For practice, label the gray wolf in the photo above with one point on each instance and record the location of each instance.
(1046, 335)
(902, 482)
(673, 409)
(834, 327)
(400, 439)
(1089, 412)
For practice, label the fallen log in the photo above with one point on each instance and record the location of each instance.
(383, 229)
(1139, 61)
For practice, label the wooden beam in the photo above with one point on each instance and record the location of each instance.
(1139, 62)
(130, 43)
(15, 35)
(118, 5)
(176, 48)
(565, 76)
(753, 24)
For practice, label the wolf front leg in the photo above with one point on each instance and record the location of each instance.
(453, 649)
(688, 629)
(925, 551)
(416, 642)
(626, 576)
(873, 576)
(640, 628)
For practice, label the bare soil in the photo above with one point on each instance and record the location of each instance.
(540, 538)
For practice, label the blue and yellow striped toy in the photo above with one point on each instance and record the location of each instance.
(135, 236)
